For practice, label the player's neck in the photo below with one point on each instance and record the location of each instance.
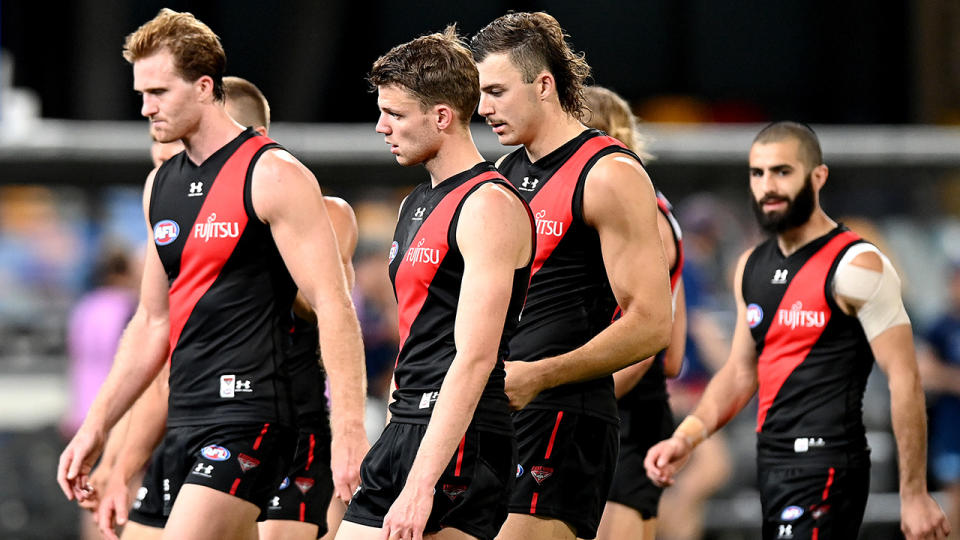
(457, 153)
(212, 132)
(557, 128)
(818, 225)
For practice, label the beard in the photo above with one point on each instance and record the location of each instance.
(798, 211)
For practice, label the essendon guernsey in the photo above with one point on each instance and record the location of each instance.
(426, 268)
(813, 359)
(229, 289)
(570, 300)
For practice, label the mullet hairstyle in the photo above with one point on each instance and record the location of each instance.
(436, 68)
(536, 42)
(196, 50)
(248, 101)
(810, 152)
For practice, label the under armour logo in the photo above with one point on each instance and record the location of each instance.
(203, 469)
(275, 502)
(779, 277)
(419, 213)
(528, 185)
(243, 385)
(196, 189)
(786, 531)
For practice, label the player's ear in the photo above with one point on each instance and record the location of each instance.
(444, 116)
(545, 85)
(818, 176)
(204, 88)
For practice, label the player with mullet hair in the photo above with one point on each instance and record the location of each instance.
(236, 226)
(816, 306)
(598, 247)
(460, 264)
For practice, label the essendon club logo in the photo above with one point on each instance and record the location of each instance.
(247, 462)
(454, 490)
(541, 473)
(303, 484)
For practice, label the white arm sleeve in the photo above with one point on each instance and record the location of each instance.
(879, 292)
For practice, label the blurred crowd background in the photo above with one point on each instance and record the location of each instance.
(879, 82)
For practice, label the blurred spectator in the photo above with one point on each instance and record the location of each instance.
(940, 371)
(93, 332)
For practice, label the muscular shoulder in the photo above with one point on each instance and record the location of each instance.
(495, 201)
(339, 209)
(616, 187)
(279, 178)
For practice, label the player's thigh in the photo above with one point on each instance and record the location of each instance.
(449, 533)
(283, 529)
(201, 513)
(349, 530)
(334, 516)
(620, 522)
(138, 531)
(530, 527)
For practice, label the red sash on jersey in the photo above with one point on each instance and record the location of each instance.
(791, 335)
(554, 202)
(417, 275)
(201, 261)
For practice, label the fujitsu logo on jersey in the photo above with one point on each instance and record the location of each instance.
(216, 229)
(422, 254)
(548, 227)
(797, 316)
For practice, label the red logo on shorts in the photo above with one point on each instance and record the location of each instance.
(303, 484)
(541, 473)
(818, 510)
(453, 490)
(247, 462)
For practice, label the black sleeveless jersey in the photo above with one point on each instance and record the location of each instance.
(229, 290)
(813, 359)
(570, 300)
(653, 385)
(426, 268)
(307, 377)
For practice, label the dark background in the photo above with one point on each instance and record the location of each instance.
(741, 60)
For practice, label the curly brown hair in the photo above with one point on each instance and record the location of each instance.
(436, 68)
(536, 42)
(196, 50)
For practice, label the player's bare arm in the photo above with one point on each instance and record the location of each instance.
(620, 203)
(494, 236)
(147, 424)
(726, 395)
(142, 350)
(287, 197)
(869, 288)
(344, 223)
(627, 378)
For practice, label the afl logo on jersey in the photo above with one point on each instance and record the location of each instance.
(165, 232)
(215, 453)
(754, 315)
(394, 249)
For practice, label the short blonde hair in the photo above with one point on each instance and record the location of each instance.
(609, 112)
(196, 50)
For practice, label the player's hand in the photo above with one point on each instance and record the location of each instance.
(347, 449)
(98, 484)
(665, 458)
(522, 383)
(75, 464)
(114, 506)
(921, 518)
(408, 514)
